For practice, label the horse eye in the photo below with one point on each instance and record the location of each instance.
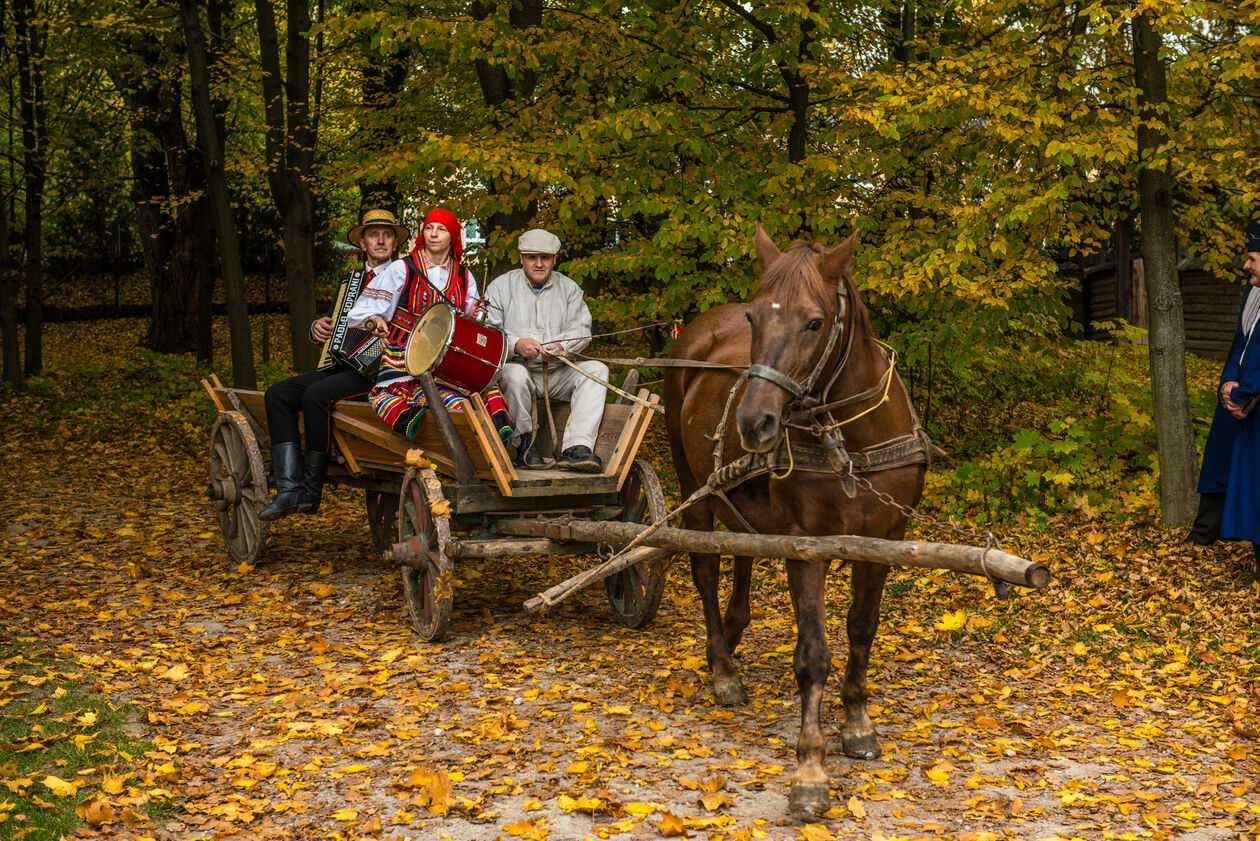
(814, 325)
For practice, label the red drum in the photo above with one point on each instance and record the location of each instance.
(459, 350)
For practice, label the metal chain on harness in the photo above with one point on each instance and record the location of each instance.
(968, 533)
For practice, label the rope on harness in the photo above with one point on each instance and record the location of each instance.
(567, 358)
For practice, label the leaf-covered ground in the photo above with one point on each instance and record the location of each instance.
(292, 700)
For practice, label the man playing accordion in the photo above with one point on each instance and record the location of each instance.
(298, 475)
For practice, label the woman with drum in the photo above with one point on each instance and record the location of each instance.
(392, 308)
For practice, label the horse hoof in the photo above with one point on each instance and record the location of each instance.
(730, 692)
(808, 800)
(863, 745)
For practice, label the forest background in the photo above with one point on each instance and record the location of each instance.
(983, 151)
(175, 179)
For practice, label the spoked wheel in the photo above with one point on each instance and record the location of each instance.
(238, 487)
(424, 531)
(635, 592)
(382, 515)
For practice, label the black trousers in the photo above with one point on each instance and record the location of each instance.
(1207, 523)
(313, 395)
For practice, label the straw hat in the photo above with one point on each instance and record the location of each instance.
(377, 216)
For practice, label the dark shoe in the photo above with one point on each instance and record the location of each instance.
(315, 465)
(581, 459)
(286, 472)
(527, 454)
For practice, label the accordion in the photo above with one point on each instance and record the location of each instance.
(348, 345)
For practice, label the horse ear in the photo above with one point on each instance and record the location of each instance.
(767, 251)
(835, 261)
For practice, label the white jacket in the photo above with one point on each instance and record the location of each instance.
(556, 313)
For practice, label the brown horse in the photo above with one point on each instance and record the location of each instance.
(783, 331)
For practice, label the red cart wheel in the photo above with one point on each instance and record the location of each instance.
(635, 592)
(424, 531)
(238, 487)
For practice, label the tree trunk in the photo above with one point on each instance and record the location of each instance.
(211, 142)
(8, 303)
(12, 352)
(148, 100)
(290, 152)
(498, 90)
(192, 260)
(1123, 240)
(30, 58)
(1173, 429)
(384, 76)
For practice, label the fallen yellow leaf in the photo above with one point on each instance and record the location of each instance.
(60, 787)
(671, 826)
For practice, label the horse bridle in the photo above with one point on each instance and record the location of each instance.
(801, 391)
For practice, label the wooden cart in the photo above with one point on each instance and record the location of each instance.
(425, 517)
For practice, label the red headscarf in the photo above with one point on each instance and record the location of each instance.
(447, 220)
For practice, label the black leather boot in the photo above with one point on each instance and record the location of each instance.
(286, 472)
(316, 465)
(527, 453)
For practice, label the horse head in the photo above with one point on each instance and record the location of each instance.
(798, 318)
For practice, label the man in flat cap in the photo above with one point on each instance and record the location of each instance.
(1229, 483)
(542, 311)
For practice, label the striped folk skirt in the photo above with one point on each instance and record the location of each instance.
(401, 404)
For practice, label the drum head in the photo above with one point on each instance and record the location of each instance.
(428, 339)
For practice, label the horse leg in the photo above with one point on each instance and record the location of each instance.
(705, 572)
(858, 736)
(738, 612)
(807, 582)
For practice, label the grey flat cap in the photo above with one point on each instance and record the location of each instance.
(538, 241)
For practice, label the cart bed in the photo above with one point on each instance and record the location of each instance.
(364, 445)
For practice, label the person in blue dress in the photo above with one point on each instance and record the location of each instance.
(1229, 482)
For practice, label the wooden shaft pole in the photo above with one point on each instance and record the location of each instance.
(560, 592)
(514, 547)
(464, 470)
(969, 559)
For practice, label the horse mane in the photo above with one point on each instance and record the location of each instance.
(796, 273)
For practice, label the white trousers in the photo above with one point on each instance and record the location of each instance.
(520, 385)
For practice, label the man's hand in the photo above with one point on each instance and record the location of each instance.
(376, 326)
(528, 348)
(1233, 408)
(531, 349)
(478, 307)
(322, 329)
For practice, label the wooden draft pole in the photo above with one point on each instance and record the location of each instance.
(972, 560)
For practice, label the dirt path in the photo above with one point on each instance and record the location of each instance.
(294, 701)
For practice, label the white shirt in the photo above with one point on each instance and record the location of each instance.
(379, 299)
(555, 313)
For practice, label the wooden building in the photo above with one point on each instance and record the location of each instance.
(1210, 305)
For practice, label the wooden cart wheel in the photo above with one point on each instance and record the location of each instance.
(635, 592)
(238, 487)
(424, 531)
(382, 514)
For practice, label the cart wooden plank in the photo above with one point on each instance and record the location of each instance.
(343, 448)
(632, 433)
(488, 437)
(219, 402)
(363, 441)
